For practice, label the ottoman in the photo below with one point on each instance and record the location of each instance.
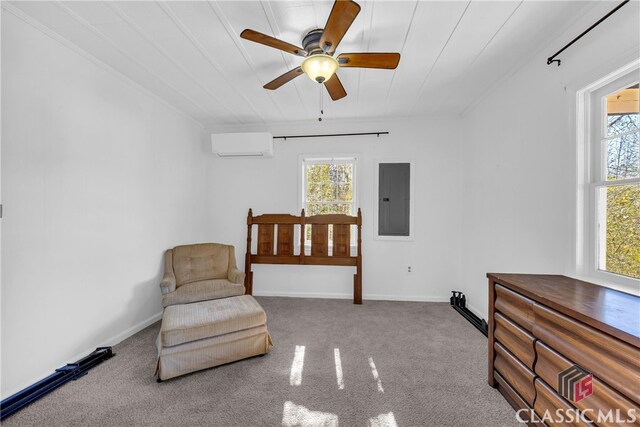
(210, 333)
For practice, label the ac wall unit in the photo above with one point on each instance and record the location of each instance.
(248, 144)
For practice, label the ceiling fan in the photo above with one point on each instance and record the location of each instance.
(319, 48)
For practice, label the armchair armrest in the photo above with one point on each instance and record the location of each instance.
(236, 276)
(168, 284)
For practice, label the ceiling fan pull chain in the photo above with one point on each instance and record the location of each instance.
(321, 103)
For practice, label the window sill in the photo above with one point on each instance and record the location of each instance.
(613, 281)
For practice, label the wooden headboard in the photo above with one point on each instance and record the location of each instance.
(276, 243)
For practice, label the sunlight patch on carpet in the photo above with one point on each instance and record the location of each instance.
(376, 377)
(383, 420)
(339, 379)
(298, 415)
(295, 378)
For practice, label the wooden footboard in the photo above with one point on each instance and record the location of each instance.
(329, 243)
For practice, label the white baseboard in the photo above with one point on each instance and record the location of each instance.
(132, 330)
(302, 294)
(350, 296)
(109, 342)
(409, 298)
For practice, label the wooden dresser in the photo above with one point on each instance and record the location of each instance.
(542, 325)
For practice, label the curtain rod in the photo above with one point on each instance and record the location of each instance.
(552, 59)
(285, 137)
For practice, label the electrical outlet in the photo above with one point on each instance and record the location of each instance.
(409, 269)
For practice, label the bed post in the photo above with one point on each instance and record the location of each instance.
(357, 278)
(248, 274)
(302, 221)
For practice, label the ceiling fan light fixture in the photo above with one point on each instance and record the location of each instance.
(320, 67)
(319, 46)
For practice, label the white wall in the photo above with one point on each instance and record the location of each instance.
(519, 145)
(98, 178)
(271, 186)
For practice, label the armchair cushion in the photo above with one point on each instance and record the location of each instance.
(202, 291)
(205, 261)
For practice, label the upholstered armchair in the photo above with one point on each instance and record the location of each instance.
(200, 272)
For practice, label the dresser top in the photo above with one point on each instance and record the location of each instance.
(614, 312)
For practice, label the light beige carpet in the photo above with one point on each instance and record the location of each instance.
(379, 364)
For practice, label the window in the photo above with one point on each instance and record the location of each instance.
(328, 187)
(614, 188)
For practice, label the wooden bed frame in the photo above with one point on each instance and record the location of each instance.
(284, 248)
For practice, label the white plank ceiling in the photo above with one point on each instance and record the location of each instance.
(190, 54)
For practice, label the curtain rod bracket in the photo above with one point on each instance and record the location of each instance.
(553, 59)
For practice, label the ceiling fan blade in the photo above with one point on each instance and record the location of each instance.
(369, 60)
(342, 15)
(335, 88)
(266, 40)
(286, 77)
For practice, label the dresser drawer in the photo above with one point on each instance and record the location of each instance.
(516, 401)
(611, 360)
(548, 403)
(518, 341)
(515, 372)
(514, 306)
(549, 364)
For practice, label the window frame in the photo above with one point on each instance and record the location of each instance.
(342, 158)
(592, 176)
